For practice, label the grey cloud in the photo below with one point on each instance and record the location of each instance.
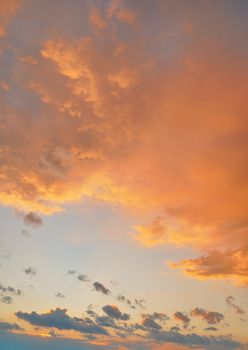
(211, 317)
(30, 271)
(6, 299)
(113, 312)
(150, 323)
(231, 303)
(59, 319)
(33, 220)
(59, 295)
(6, 326)
(181, 317)
(100, 288)
(11, 290)
(71, 272)
(211, 329)
(83, 278)
(194, 340)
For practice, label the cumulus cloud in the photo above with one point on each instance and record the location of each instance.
(99, 287)
(211, 317)
(113, 312)
(59, 319)
(231, 303)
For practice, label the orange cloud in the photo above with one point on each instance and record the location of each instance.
(232, 263)
(152, 119)
(7, 10)
(153, 234)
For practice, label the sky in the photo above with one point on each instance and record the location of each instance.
(123, 174)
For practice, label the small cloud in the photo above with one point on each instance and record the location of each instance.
(30, 271)
(231, 303)
(211, 329)
(100, 288)
(6, 299)
(26, 233)
(149, 322)
(179, 316)
(33, 220)
(211, 317)
(59, 295)
(113, 312)
(71, 272)
(11, 290)
(83, 278)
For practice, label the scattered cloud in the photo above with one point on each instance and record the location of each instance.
(83, 278)
(71, 272)
(100, 288)
(30, 271)
(33, 220)
(59, 295)
(113, 312)
(231, 303)
(6, 299)
(211, 317)
(182, 317)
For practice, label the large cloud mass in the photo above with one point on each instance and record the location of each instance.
(118, 112)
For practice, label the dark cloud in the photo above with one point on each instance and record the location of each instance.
(159, 316)
(211, 329)
(175, 329)
(6, 299)
(30, 271)
(33, 220)
(194, 340)
(59, 319)
(123, 299)
(11, 290)
(83, 278)
(231, 303)
(71, 272)
(59, 295)
(181, 317)
(6, 326)
(140, 303)
(211, 317)
(148, 322)
(113, 312)
(100, 288)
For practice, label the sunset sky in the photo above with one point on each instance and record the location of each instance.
(123, 174)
